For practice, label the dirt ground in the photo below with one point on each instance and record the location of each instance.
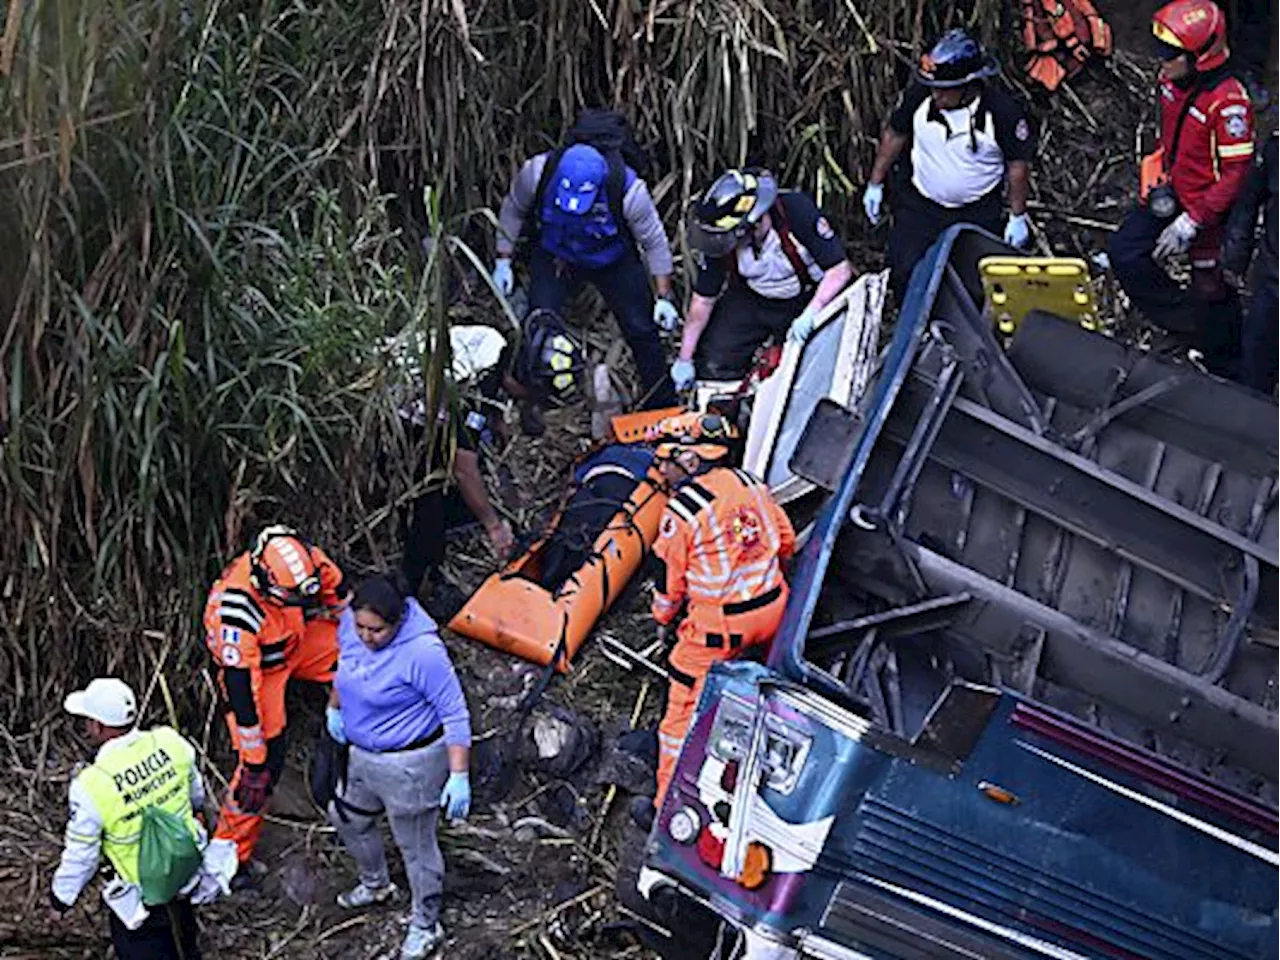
(530, 874)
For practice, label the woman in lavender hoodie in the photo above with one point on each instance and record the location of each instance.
(397, 702)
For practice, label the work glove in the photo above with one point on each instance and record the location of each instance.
(503, 278)
(334, 722)
(665, 314)
(1017, 231)
(253, 789)
(1176, 237)
(682, 374)
(872, 199)
(801, 328)
(456, 795)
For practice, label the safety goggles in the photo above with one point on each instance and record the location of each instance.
(299, 596)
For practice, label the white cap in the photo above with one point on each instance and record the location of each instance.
(476, 350)
(107, 700)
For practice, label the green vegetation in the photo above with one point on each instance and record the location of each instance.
(198, 255)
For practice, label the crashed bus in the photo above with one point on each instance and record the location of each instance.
(1023, 700)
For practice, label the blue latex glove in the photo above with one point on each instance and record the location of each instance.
(337, 727)
(1017, 231)
(872, 199)
(503, 278)
(801, 328)
(682, 374)
(665, 315)
(456, 796)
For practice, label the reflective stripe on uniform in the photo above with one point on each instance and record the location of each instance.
(1232, 150)
(237, 608)
(251, 738)
(153, 771)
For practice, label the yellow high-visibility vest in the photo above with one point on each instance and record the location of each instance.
(152, 771)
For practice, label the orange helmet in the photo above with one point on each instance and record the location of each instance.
(706, 434)
(1196, 27)
(282, 567)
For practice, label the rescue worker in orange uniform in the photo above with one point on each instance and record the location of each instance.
(1204, 157)
(722, 540)
(271, 615)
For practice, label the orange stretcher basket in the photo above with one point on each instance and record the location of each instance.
(513, 612)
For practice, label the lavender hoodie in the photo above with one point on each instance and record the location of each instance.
(394, 696)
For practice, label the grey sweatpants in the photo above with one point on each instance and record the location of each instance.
(406, 786)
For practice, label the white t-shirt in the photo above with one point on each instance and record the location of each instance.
(959, 156)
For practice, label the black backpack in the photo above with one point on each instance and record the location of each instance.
(610, 133)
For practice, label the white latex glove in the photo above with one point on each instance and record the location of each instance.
(872, 198)
(1017, 231)
(503, 278)
(801, 328)
(1176, 237)
(682, 374)
(665, 315)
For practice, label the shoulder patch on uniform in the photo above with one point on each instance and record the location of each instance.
(231, 635)
(1022, 130)
(230, 656)
(668, 527)
(823, 229)
(1237, 126)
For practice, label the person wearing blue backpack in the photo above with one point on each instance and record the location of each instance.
(588, 217)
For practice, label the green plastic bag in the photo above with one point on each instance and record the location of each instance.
(168, 856)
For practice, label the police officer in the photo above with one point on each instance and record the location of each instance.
(966, 139)
(133, 769)
(1206, 148)
(768, 262)
(271, 616)
(590, 217)
(722, 540)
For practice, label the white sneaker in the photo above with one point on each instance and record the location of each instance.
(420, 941)
(361, 896)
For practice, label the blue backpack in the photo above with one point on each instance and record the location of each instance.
(598, 236)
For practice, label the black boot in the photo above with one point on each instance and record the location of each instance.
(531, 422)
(643, 812)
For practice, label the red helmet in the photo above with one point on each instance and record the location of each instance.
(1197, 27)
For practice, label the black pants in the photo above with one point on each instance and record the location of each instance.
(740, 322)
(157, 939)
(1206, 316)
(431, 517)
(1258, 337)
(625, 287)
(919, 221)
(1252, 26)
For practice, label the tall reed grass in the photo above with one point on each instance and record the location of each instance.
(211, 216)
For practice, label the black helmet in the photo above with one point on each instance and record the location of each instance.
(956, 59)
(551, 363)
(728, 209)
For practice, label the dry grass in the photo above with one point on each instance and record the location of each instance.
(211, 212)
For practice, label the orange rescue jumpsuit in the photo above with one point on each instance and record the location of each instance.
(259, 645)
(722, 539)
